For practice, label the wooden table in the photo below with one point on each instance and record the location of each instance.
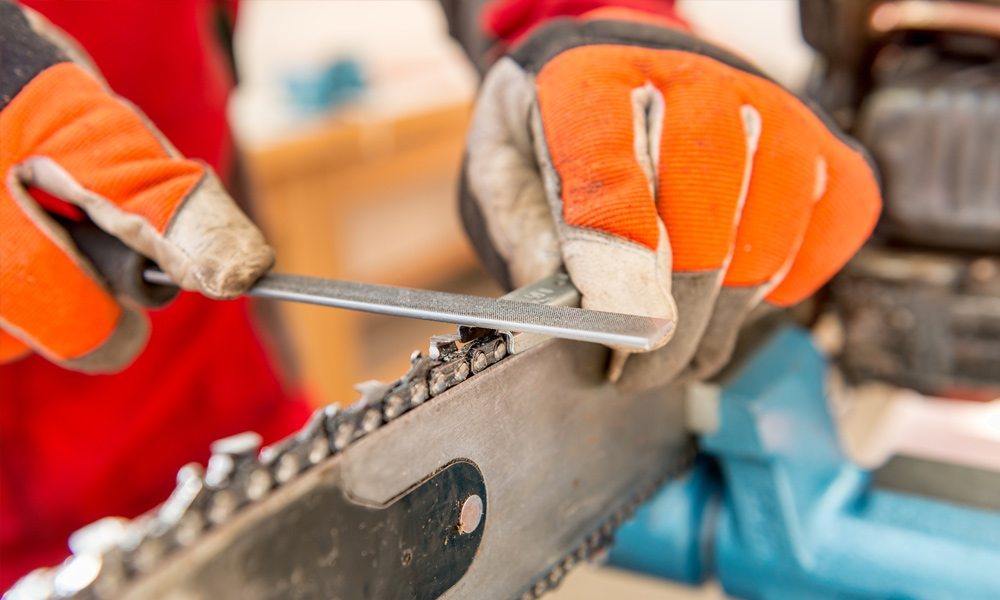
(366, 199)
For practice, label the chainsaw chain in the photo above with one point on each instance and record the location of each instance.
(110, 553)
(594, 547)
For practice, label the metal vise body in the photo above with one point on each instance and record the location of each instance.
(776, 510)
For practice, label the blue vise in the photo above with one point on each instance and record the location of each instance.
(774, 509)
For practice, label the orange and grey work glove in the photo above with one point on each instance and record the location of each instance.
(669, 177)
(64, 132)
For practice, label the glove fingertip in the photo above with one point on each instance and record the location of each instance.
(223, 280)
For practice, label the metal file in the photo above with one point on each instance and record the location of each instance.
(611, 329)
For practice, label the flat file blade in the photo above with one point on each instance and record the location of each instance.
(599, 327)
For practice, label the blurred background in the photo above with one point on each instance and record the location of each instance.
(351, 116)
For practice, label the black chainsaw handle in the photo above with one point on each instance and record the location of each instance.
(119, 266)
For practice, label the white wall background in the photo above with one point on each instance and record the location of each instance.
(410, 62)
(766, 31)
(407, 58)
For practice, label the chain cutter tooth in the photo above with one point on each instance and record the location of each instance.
(240, 473)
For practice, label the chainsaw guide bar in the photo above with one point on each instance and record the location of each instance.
(478, 474)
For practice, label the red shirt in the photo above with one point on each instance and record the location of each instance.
(75, 448)
(511, 20)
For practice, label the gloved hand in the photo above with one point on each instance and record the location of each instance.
(64, 132)
(669, 177)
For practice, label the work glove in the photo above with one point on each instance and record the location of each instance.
(669, 177)
(64, 132)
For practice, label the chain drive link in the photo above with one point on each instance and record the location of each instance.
(110, 553)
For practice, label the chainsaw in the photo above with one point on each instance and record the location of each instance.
(500, 461)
